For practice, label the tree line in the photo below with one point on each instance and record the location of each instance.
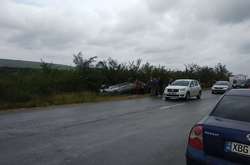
(20, 85)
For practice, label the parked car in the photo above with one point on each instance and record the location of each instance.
(183, 88)
(221, 87)
(243, 84)
(237, 80)
(119, 88)
(247, 85)
(223, 137)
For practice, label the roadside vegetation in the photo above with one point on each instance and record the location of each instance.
(49, 85)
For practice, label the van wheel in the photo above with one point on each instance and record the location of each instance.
(199, 95)
(187, 96)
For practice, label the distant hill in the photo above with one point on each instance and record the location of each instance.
(6, 63)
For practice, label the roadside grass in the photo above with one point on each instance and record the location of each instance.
(66, 98)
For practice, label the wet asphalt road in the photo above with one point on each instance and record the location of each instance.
(146, 131)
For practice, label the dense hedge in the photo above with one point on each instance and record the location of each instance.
(21, 85)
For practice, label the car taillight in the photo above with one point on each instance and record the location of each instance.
(196, 137)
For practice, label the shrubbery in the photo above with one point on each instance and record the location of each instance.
(22, 85)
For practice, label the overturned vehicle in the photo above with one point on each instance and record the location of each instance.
(124, 88)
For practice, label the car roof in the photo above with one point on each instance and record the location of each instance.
(222, 81)
(238, 92)
(185, 80)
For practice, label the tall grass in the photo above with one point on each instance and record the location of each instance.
(65, 98)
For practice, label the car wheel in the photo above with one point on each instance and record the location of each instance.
(192, 162)
(199, 95)
(166, 98)
(188, 162)
(187, 96)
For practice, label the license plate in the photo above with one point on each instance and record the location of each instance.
(238, 148)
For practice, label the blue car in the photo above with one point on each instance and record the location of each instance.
(223, 137)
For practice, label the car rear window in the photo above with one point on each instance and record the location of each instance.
(234, 107)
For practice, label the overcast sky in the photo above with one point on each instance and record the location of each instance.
(166, 32)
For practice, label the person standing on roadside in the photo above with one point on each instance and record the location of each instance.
(160, 86)
(150, 86)
(138, 87)
(154, 87)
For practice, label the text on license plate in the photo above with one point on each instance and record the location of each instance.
(237, 148)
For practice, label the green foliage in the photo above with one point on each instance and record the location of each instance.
(25, 85)
(81, 63)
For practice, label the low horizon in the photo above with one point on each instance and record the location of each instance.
(143, 62)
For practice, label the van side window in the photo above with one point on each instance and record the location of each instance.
(192, 84)
(196, 83)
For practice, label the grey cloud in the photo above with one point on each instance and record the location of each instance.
(160, 50)
(245, 48)
(33, 27)
(136, 20)
(224, 11)
(160, 6)
(166, 32)
(38, 40)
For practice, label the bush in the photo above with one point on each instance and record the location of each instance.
(24, 85)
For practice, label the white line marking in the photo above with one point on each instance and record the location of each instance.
(171, 106)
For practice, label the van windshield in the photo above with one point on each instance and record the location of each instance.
(180, 83)
(221, 83)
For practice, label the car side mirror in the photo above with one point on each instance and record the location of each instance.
(192, 85)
